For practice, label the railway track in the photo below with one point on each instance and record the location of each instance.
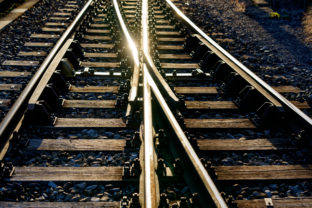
(157, 116)
(17, 71)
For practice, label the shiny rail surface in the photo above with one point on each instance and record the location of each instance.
(132, 48)
(150, 197)
(150, 94)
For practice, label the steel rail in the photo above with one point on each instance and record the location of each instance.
(206, 179)
(150, 177)
(162, 83)
(135, 56)
(200, 169)
(284, 102)
(7, 125)
(147, 58)
(131, 44)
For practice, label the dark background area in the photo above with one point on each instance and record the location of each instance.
(288, 4)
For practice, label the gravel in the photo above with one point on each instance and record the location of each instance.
(91, 113)
(274, 49)
(262, 190)
(69, 159)
(79, 133)
(175, 191)
(89, 96)
(212, 115)
(64, 192)
(228, 158)
(93, 81)
(13, 37)
(199, 83)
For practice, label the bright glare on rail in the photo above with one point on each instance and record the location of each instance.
(148, 189)
(132, 45)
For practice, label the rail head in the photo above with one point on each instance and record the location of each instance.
(134, 52)
(151, 198)
(165, 88)
(247, 72)
(150, 177)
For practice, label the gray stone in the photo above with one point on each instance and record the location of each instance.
(89, 189)
(95, 199)
(117, 136)
(109, 186)
(60, 197)
(171, 195)
(67, 185)
(41, 198)
(109, 158)
(268, 193)
(240, 197)
(255, 193)
(227, 161)
(75, 198)
(107, 194)
(115, 189)
(104, 198)
(92, 133)
(109, 134)
(184, 190)
(84, 199)
(52, 184)
(73, 190)
(117, 195)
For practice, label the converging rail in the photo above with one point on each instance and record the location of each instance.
(200, 59)
(135, 106)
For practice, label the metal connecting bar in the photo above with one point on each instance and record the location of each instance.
(14, 115)
(217, 48)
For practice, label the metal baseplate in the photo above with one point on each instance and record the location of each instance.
(6, 170)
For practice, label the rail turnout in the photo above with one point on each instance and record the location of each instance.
(132, 105)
